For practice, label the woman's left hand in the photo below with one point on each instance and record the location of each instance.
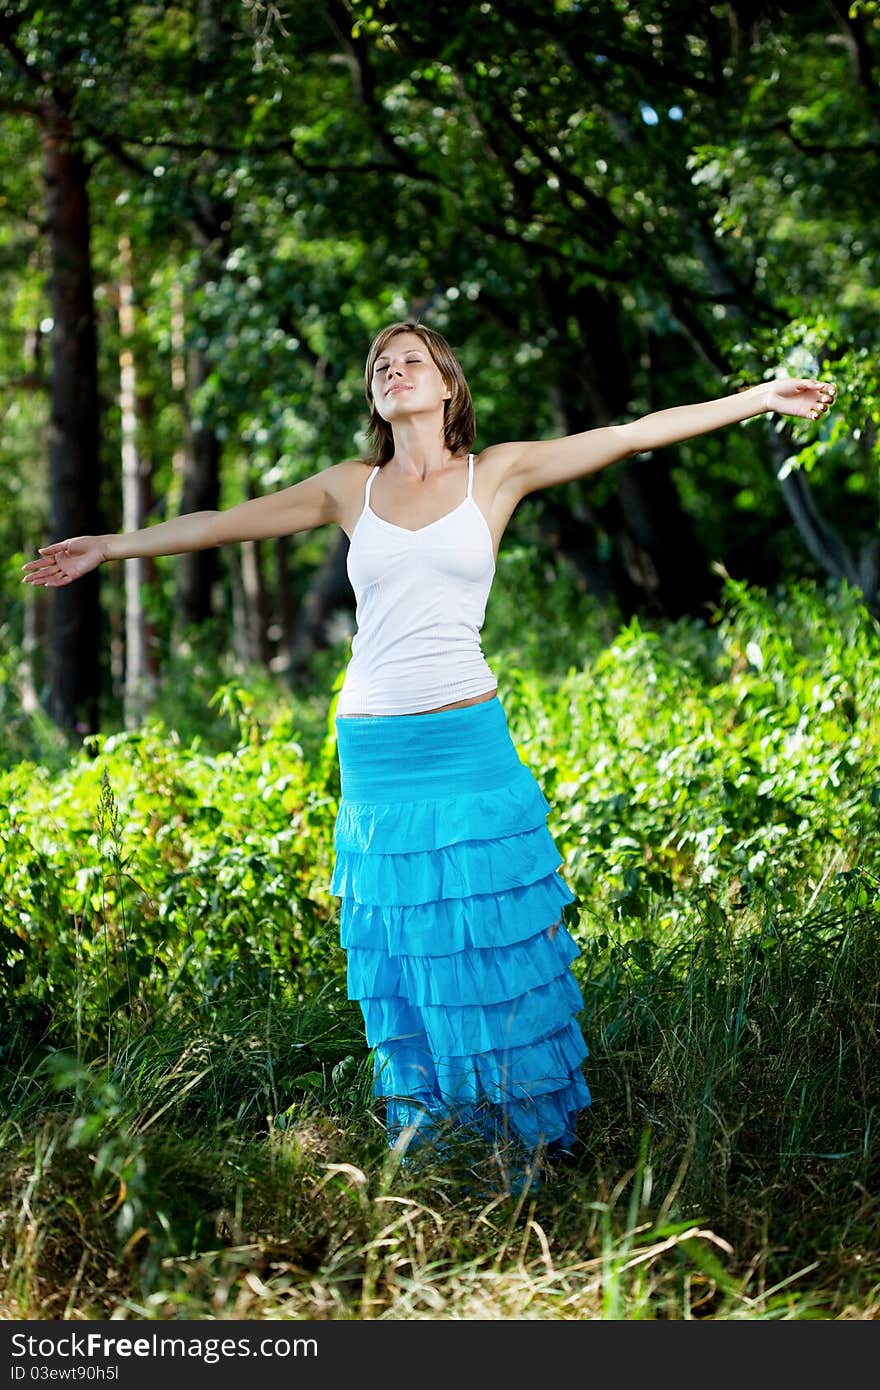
(799, 396)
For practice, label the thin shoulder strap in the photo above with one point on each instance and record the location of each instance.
(470, 475)
(369, 484)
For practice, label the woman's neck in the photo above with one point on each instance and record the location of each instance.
(419, 448)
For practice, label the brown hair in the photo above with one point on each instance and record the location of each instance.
(459, 422)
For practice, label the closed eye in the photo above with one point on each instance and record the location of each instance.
(410, 362)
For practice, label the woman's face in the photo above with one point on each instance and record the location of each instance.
(406, 380)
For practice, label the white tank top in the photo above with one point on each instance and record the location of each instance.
(421, 600)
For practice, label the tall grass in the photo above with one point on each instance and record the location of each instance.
(187, 1127)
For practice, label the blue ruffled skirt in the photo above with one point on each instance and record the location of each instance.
(447, 875)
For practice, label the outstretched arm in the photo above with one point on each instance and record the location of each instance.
(546, 462)
(310, 503)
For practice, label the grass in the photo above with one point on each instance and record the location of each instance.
(186, 1123)
(727, 1169)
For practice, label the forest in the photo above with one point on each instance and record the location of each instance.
(207, 210)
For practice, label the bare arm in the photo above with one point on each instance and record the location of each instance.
(313, 502)
(546, 462)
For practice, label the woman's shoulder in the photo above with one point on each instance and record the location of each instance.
(347, 474)
(345, 482)
(496, 455)
(493, 463)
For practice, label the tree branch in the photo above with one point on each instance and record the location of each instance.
(283, 147)
(339, 19)
(815, 147)
(30, 381)
(38, 81)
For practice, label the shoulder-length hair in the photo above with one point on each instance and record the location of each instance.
(459, 421)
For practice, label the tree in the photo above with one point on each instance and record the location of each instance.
(73, 645)
(608, 208)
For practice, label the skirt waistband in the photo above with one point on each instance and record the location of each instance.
(402, 756)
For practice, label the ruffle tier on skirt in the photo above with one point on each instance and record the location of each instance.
(451, 919)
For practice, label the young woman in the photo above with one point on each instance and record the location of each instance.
(446, 870)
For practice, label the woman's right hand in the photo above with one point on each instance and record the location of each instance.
(61, 563)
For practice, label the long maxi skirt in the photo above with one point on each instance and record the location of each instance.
(450, 918)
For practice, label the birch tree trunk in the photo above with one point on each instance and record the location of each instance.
(140, 659)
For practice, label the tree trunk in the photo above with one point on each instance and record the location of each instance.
(140, 662)
(240, 632)
(74, 639)
(329, 590)
(656, 563)
(250, 604)
(823, 542)
(33, 642)
(198, 570)
(281, 629)
(253, 576)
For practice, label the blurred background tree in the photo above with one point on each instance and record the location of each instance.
(208, 208)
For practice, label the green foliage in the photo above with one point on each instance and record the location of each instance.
(183, 1068)
(539, 616)
(737, 759)
(608, 208)
(155, 878)
(722, 767)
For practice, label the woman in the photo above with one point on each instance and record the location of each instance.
(446, 871)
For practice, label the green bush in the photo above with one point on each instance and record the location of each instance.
(178, 1040)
